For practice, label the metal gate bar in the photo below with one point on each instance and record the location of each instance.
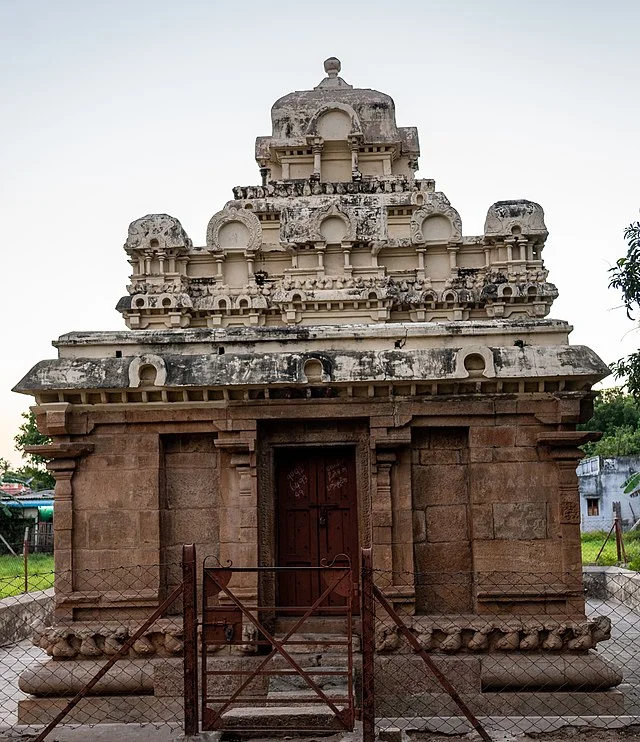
(372, 592)
(227, 630)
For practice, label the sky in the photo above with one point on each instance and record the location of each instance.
(110, 111)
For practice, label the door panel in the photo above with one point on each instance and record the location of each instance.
(317, 517)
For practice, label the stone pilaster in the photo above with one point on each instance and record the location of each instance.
(63, 461)
(391, 516)
(562, 447)
(239, 512)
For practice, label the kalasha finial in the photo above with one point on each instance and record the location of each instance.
(332, 66)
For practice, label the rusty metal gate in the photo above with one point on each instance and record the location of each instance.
(372, 596)
(264, 667)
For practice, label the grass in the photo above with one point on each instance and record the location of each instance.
(40, 575)
(41, 565)
(591, 543)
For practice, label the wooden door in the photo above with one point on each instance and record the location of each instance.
(317, 518)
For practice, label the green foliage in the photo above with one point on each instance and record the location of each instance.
(632, 484)
(616, 414)
(34, 471)
(40, 574)
(593, 540)
(625, 276)
(29, 435)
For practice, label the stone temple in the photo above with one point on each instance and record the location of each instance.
(336, 333)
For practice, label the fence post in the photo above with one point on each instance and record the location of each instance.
(190, 634)
(368, 647)
(25, 557)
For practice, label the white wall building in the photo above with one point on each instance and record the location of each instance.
(601, 481)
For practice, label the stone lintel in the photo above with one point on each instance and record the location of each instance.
(565, 443)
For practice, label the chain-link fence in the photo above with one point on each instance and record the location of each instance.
(517, 652)
(505, 649)
(106, 635)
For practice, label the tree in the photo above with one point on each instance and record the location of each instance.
(625, 276)
(616, 414)
(34, 472)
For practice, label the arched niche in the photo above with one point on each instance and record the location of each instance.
(233, 234)
(323, 219)
(147, 370)
(437, 228)
(474, 361)
(436, 221)
(234, 228)
(333, 229)
(333, 117)
(334, 125)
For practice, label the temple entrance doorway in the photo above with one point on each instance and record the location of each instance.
(316, 518)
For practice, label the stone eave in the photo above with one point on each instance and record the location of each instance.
(341, 367)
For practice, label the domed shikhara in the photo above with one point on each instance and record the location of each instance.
(339, 231)
(336, 118)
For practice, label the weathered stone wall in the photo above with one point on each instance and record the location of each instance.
(115, 519)
(189, 502)
(441, 520)
(18, 613)
(606, 583)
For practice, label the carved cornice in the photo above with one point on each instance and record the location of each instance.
(60, 450)
(568, 438)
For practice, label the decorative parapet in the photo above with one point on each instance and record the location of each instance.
(305, 187)
(458, 634)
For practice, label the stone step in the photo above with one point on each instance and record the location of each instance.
(314, 624)
(318, 643)
(264, 718)
(330, 679)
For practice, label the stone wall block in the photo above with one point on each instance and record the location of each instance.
(139, 461)
(149, 527)
(441, 456)
(518, 453)
(537, 405)
(191, 489)
(497, 436)
(64, 539)
(248, 517)
(191, 460)
(199, 525)
(382, 535)
(105, 528)
(382, 518)
(434, 485)
(538, 556)
(143, 443)
(528, 435)
(442, 557)
(64, 519)
(482, 521)
(447, 523)
(518, 521)
(115, 488)
(505, 406)
(519, 482)
(101, 560)
(419, 526)
(192, 444)
(111, 461)
(481, 455)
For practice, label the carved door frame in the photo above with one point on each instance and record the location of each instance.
(299, 435)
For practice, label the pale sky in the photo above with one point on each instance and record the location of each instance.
(112, 110)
